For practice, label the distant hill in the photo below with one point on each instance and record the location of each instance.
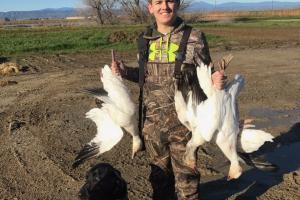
(195, 7)
(34, 14)
(234, 6)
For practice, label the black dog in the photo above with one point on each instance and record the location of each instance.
(103, 182)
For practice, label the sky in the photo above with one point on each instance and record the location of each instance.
(24, 5)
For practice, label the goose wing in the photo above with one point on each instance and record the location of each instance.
(108, 135)
(115, 97)
(118, 115)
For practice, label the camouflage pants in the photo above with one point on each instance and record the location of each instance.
(165, 141)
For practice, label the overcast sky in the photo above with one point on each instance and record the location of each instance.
(23, 5)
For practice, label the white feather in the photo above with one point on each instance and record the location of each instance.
(215, 115)
(253, 139)
(118, 111)
(218, 115)
(204, 78)
(181, 109)
(108, 132)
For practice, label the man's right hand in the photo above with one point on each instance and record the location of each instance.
(219, 79)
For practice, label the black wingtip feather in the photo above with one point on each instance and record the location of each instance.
(88, 151)
(189, 82)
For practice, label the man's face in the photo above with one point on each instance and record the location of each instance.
(164, 11)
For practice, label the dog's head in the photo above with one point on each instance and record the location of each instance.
(103, 182)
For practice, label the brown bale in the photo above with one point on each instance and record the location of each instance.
(9, 68)
(121, 36)
(5, 83)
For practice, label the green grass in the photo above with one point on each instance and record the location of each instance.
(68, 39)
(90, 39)
(61, 40)
(212, 39)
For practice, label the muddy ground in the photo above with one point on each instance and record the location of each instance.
(42, 127)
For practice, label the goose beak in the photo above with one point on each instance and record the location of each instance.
(134, 152)
(137, 145)
(229, 178)
(133, 155)
(235, 171)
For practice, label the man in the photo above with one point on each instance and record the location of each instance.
(165, 137)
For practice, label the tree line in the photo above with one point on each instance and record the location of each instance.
(107, 11)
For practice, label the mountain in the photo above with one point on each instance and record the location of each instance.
(34, 14)
(196, 6)
(235, 6)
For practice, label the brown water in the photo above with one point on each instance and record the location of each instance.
(272, 118)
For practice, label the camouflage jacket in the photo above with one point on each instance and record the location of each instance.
(160, 84)
(163, 49)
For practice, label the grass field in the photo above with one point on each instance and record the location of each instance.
(262, 22)
(60, 39)
(72, 39)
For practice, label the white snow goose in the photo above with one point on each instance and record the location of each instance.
(217, 115)
(118, 112)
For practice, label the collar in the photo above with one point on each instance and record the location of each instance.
(153, 34)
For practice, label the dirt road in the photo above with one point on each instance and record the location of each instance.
(42, 127)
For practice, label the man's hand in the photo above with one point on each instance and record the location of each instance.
(219, 79)
(115, 67)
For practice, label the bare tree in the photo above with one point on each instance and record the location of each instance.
(135, 10)
(184, 4)
(102, 8)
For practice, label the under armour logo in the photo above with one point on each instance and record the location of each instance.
(171, 52)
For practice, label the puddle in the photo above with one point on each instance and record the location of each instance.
(253, 182)
(286, 157)
(284, 152)
(274, 118)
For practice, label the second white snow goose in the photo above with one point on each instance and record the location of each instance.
(217, 114)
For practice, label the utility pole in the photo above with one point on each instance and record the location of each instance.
(215, 5)
(272, 7)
